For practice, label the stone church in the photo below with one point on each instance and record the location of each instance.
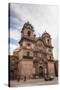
(34, 57)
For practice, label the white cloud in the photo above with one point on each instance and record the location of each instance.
(12, 48)
(15, 34)
(42, 17)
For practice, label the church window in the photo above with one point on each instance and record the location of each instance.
(49, 50)
(28, 53)
(50, 57)
(48, 40)
(29, 33)
(28, 44)
(21, 44)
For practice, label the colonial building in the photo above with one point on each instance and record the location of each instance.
(35, 55)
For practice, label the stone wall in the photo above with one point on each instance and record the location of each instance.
(26, 68)
(51, 70)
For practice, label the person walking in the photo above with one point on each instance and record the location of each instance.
(24, 78)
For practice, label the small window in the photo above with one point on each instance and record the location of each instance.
(49, 50)
(28, 53)
(29, 33)
(48, 40)
(50, 57)
(28, 44)
(21, 44)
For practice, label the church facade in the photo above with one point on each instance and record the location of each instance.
(35, 54)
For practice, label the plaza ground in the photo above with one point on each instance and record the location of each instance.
(33, 82)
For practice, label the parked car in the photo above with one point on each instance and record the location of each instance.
(48, 78)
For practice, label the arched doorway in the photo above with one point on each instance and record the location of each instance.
(40, 72)
(11, 75)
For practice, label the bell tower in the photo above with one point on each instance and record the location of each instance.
(26, 51)
(49, 53)
(49, 48)
(27, 30)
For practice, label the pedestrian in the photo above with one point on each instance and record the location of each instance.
(24, 78)
(18, 78)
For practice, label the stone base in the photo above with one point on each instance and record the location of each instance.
(26, 68)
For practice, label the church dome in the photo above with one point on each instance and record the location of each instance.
(45, 34)
(27, 25)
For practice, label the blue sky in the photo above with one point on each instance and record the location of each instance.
(42, 17)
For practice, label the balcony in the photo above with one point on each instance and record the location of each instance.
(27, 57)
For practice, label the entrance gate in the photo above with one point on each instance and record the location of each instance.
(40, 72)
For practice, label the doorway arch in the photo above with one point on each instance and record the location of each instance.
(40, 71)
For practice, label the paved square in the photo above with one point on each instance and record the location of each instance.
(33, 82)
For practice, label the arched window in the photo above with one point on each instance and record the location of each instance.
(29, 33)
(49, 50)
(28, 44)
(50, 57)
(28, 53)
(48, 40)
